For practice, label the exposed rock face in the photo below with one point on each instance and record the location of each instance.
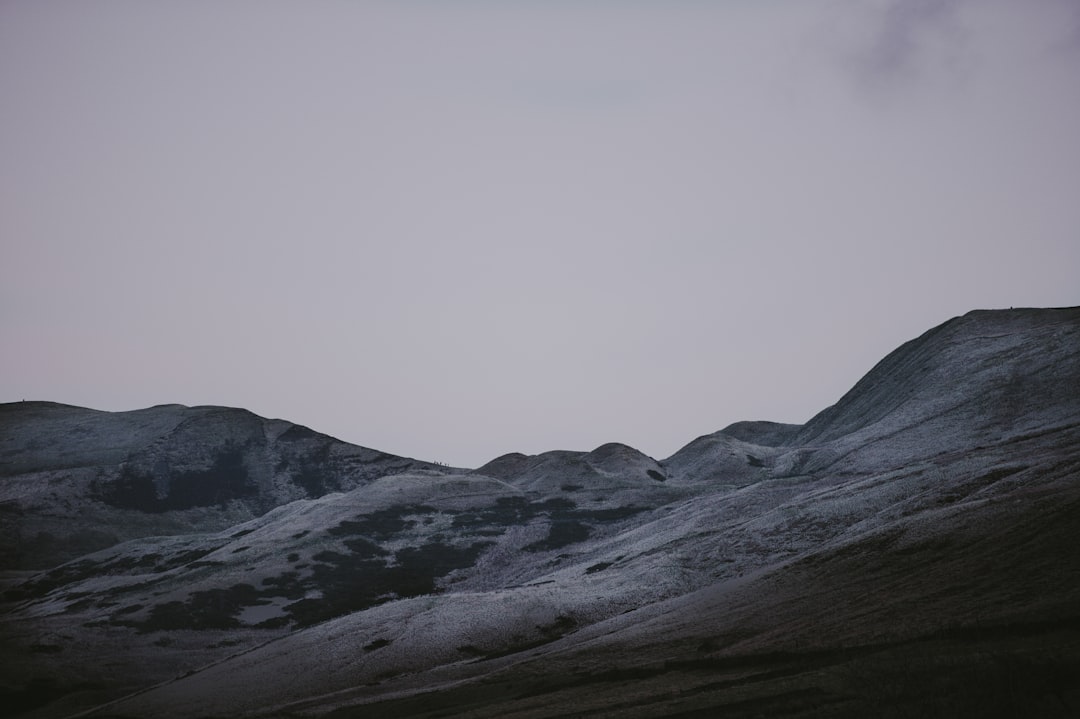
(76, 480)
(911, 549)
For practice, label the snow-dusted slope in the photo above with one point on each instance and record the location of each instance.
(751, 573)
(75, 480)
(986, 377)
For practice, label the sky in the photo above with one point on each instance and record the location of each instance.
(456, 229)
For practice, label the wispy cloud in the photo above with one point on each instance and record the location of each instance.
(910, 38)
(893, 46)
(905, 28)
(901, 42)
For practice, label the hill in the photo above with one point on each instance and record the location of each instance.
(909, 551)
(73, 480)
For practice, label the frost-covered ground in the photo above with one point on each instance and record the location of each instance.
(762, 569)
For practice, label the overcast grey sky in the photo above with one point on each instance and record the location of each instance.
(457, 229)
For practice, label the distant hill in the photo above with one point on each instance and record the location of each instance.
(73, 480)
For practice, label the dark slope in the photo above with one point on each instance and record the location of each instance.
(76, 480)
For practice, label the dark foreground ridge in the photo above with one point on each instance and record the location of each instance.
(908, 552)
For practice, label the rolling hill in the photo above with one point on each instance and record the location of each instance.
(909, 551)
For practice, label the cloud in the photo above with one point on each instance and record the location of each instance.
(903, 42)
(893, 47)
(905, 28)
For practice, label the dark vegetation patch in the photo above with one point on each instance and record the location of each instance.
(62, 575)
(134, 587)
(554, 504)
(614, 514)
(241, 533)
(562, 533)
(548, 633)
(470, 650)
(73, 572)
(147, 560)
(377, 644)
(226, 480)
(658, 476)
(286, 584)
(224, 643)
(419, 566)
(306, 458)
(965, 489)
(292, 557)
(315, 474)
(46, 649)
(356, 581)
(302, 534)
(561, 626)
(570, 525)
(383, 523)
(362, 548)
(315, 480)
(299, 432)
(506, 512)
(754, 461)
(598, 567)
(41, 550)
(210, 609)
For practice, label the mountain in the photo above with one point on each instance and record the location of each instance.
(73, 480)
(909, 551)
